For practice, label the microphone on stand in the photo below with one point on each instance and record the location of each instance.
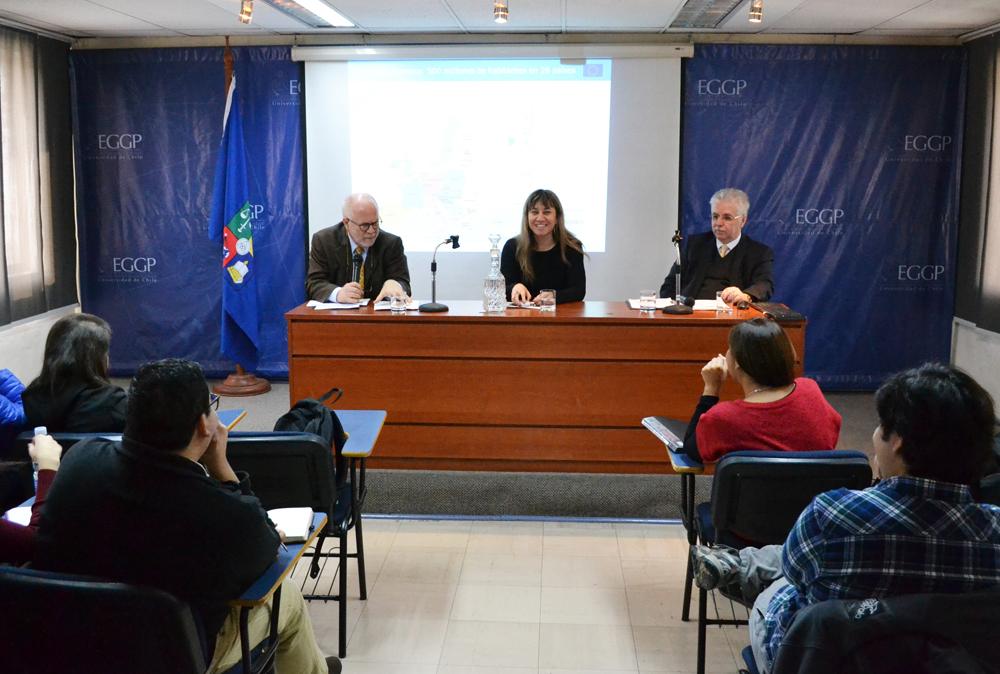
(434, 306)
(683, 304)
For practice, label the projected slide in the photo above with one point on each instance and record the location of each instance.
(455, 146)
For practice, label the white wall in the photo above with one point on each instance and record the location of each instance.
(22, 344)
(977, 351)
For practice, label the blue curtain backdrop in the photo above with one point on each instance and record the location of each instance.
(851, 157)
(147, 125)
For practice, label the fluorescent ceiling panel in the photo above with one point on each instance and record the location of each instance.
(312, 13)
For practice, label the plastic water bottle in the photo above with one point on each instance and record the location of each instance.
(494, 287)
(39, 430)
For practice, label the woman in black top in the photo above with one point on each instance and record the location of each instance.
(545, 255)
(73, 393)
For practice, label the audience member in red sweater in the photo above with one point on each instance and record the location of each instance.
(778, 411)
(18, 542)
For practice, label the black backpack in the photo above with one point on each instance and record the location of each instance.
(310, 415)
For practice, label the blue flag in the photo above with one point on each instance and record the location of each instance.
(230, 222)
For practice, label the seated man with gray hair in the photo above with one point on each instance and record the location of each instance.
(724, 260)
(355, 258)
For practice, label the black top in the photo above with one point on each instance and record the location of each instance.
(76, 407)
(568, 280)
(134, 514)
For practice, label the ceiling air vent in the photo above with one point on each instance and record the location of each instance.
(704, 13)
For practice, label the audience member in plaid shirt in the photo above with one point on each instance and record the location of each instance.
(917, 529)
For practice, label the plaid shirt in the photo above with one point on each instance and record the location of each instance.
(902, 536)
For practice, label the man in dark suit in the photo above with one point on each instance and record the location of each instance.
(724, 260)
(355, 259)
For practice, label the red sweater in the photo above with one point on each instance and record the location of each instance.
(17, 543)
(801, 421)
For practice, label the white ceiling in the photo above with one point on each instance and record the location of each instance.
(194, 18)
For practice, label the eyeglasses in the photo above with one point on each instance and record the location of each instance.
(367, 226)
(213, 401)
(725, 217)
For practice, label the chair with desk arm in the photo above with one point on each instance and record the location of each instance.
(756, 498)
(290, 469)
(56, 622)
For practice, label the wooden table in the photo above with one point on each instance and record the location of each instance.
(521, 390)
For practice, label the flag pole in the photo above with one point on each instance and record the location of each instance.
(241, 382)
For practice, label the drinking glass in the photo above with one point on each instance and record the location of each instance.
(647, 300)
(720, 304)
(547, 300)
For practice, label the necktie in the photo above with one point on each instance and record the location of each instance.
(723, 250)
(359, 261)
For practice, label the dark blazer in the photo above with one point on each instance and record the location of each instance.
(331, 262)
(753, 262)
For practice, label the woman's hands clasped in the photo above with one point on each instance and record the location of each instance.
(714, 375)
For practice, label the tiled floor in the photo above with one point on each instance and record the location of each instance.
(460, 597)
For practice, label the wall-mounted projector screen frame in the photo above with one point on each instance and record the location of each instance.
(635, 182)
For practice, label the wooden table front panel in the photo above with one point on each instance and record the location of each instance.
(519, 391)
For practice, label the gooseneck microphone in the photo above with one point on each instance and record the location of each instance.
(434, 306)
(683, 304)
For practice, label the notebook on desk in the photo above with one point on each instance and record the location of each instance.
(295, 523)
(666, 430)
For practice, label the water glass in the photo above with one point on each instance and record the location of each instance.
(547, 300)
(720, 304)
(647, 300)
(397, 304)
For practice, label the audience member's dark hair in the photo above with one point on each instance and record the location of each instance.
(165, 401)
(944, 419)
(76, 350)
(762, 350)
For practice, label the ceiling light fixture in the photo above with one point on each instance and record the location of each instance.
(500, 11)
(315, 13)
(246, 11)
(756, 11)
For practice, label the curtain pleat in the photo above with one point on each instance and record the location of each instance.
(35, 198)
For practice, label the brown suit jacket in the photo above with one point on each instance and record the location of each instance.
(331, 263)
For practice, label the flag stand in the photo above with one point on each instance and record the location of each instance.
(242, 383)
(230, 225)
